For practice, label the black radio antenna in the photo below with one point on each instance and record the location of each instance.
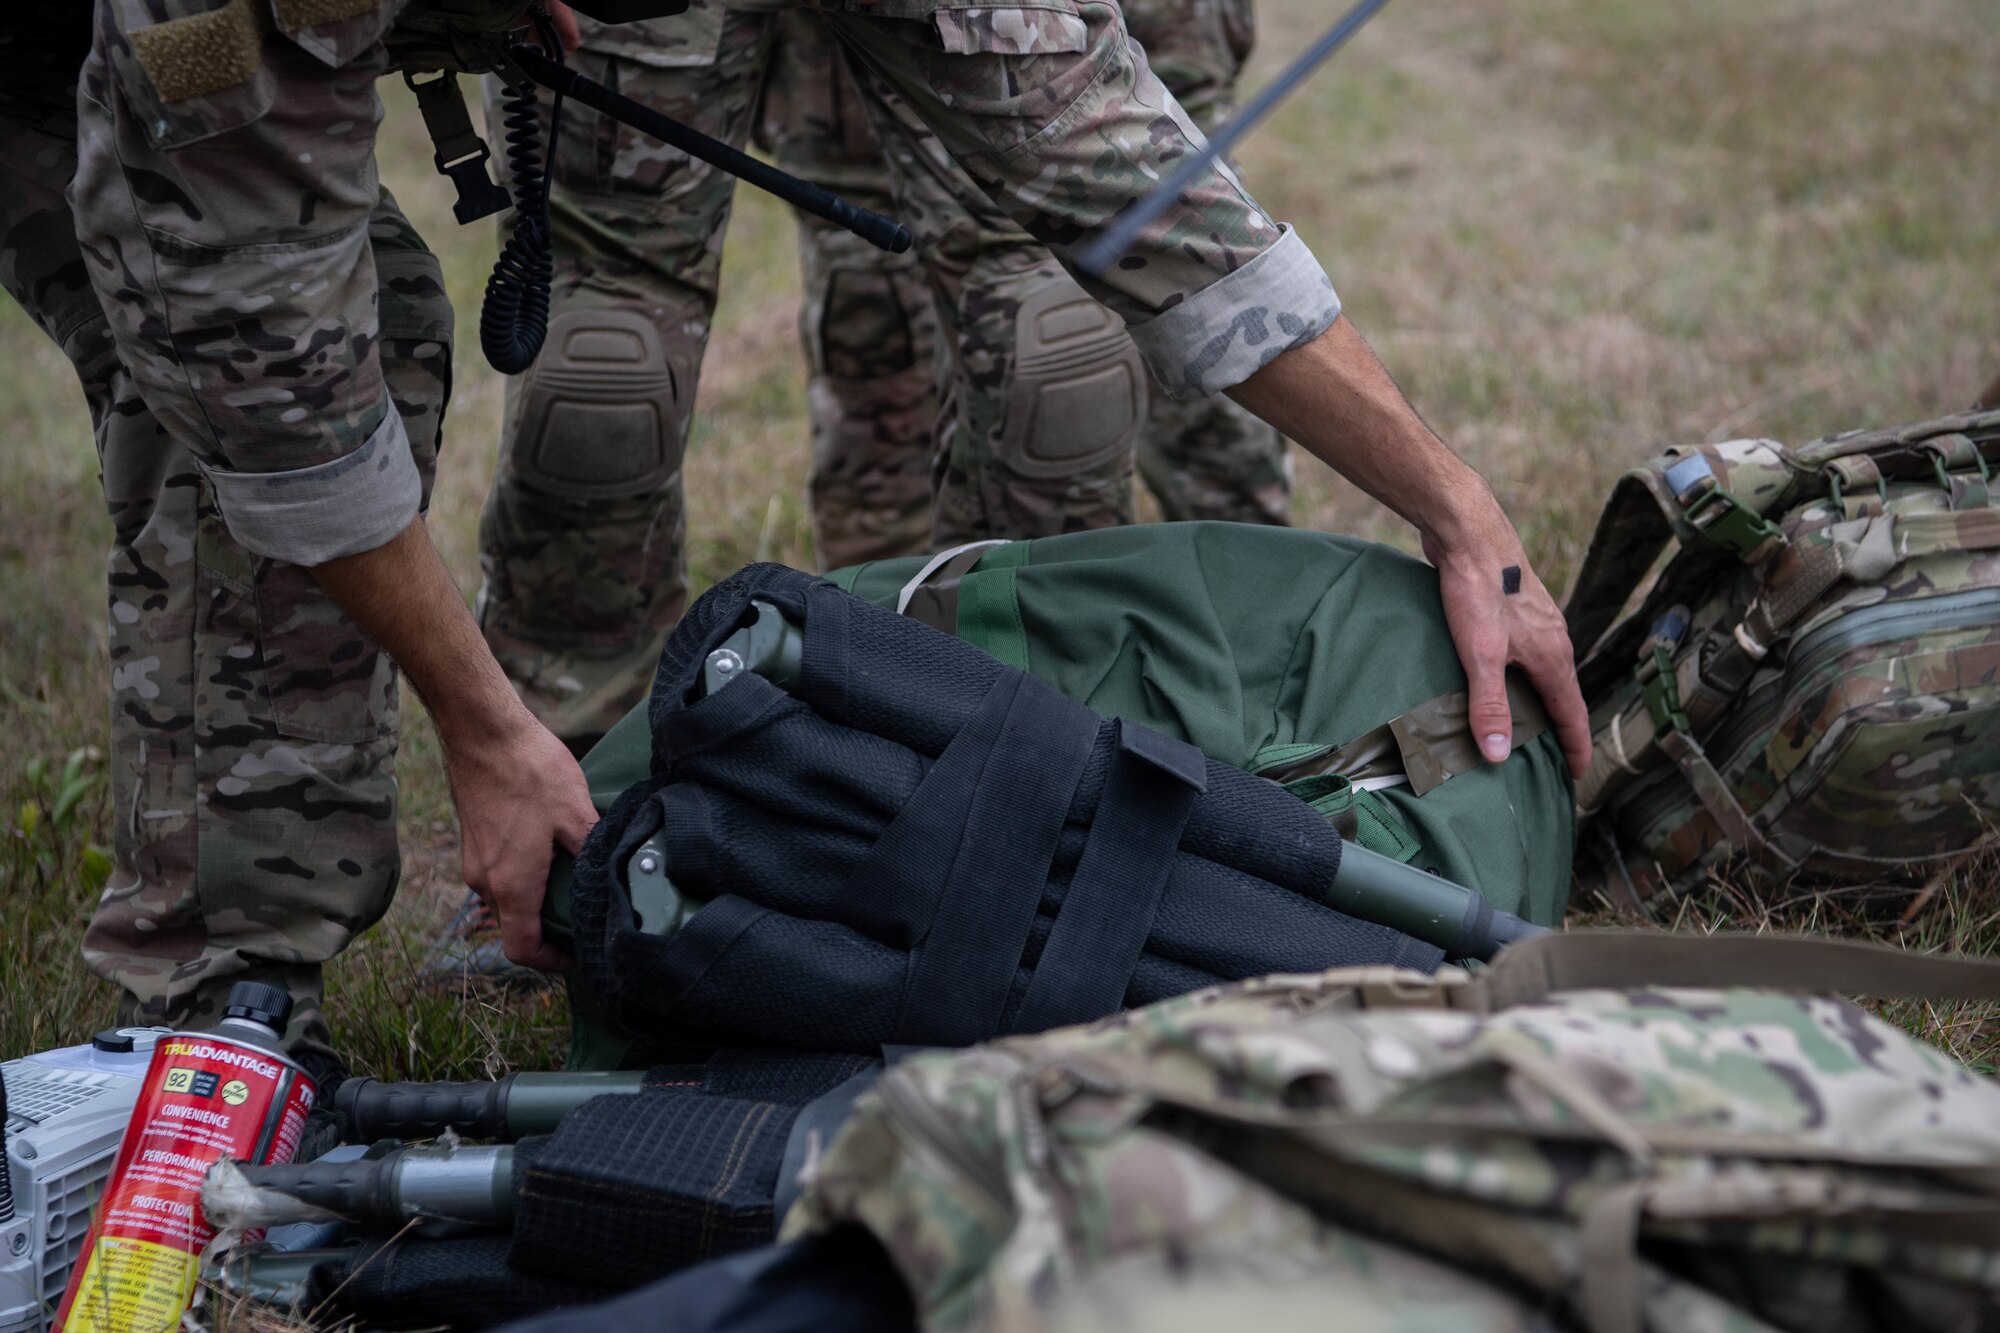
(1109, 248)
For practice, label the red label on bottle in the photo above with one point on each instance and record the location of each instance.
(205, 1098)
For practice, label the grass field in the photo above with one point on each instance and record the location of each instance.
(1576, 230)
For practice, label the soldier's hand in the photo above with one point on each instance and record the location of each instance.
(520, 795)
(566, 30)
(1500, 615)
(1336, 399)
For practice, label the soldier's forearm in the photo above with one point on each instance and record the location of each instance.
(1333, 396)
(401, 594)
(519, 793)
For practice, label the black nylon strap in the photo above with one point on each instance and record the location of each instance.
(1475, 932)
(905, 872)
(1012, 771)
(1108, 912)
(824, 662)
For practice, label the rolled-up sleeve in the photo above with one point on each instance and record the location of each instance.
(1221, 335)
(310, 515)
(225, 183)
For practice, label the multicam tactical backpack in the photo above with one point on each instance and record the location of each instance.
(1812, 685)
(1524, 1149)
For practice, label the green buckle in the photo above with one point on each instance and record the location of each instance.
(1662, 694)
(1736, 527)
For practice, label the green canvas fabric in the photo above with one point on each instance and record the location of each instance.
(1226, 635)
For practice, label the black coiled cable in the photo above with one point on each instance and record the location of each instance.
(515, 317)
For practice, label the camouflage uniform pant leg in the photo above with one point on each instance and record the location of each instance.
(582, 541)
(1000, 468)
(1207, 457)
(867, 322)
(253, 727)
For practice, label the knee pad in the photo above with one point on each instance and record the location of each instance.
(598, 409)
(1078, 394)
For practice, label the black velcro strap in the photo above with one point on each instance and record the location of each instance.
(1108, 912)
(976, 843)
(1475, 932)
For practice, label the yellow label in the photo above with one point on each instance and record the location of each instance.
(133, 1286)
(235, 1092)
(179, 1080)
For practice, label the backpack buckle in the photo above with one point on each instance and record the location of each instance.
(1661, 692)
(460, 154)
(1731, 524)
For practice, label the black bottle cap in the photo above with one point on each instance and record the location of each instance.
(255, 1002)
(114, 1041)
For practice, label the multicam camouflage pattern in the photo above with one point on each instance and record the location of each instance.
(640, 228)
(580, 594)
(253, 727)
(867, 323)
(1201, 457)
(1666, 1159)
(1863, 745)
(224, 206)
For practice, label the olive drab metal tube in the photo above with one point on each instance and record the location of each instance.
(472, 1185)
(510, 1108)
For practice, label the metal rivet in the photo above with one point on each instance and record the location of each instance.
(649, 865)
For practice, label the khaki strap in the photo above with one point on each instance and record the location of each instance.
(1430, 743)
(1531, 970)
(198, 55)
(1714, 794)
(1436, 737)
(931, 595)
(1946, 534)
(1608, 1245)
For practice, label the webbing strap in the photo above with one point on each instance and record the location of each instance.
(1712, 790)
(1425, 746)
(931, 595)
(1532, 969)
(460, 154)
(1108, 912)
(1946, 534)
(971, 851)
(1631, 532)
